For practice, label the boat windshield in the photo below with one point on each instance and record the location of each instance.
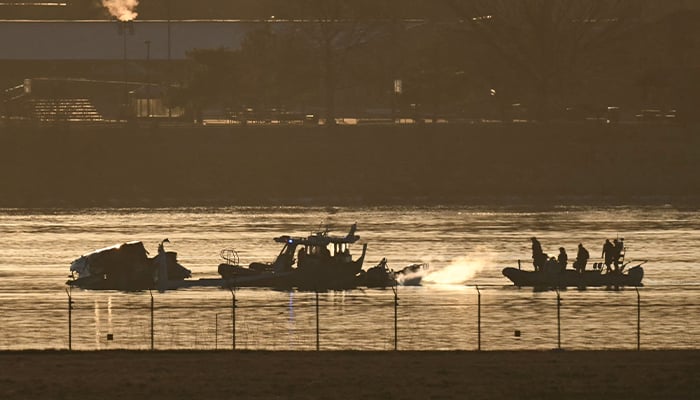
(317, 250)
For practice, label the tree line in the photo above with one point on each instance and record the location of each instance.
(499, 59)
(495, 59)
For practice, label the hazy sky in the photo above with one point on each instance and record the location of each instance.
(102, 41)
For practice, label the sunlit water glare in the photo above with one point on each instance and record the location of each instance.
(466, 248)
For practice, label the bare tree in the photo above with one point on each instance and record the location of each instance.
(273, 63)
(213, 80)
(334, 28)
(545, 42)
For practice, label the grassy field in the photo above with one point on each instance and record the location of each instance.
(350, 375)
(356, 165)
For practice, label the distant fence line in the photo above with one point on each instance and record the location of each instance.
(479, 320)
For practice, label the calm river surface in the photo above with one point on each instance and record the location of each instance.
(464, 302)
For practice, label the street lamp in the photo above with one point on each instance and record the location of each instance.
(148, 78)
(169, 67)
(123, 28)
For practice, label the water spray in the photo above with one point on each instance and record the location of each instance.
(457, 272)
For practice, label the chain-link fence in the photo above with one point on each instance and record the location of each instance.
(473, 318)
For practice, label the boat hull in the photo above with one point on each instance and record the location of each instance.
(570, 278)
(237, 276)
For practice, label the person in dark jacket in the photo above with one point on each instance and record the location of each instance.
(608, 254)
(538, 256)
(562, 259)
(618, 253)
(581, 258)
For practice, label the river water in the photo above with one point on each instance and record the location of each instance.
(464, 303)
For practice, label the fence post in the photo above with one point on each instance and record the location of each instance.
(152, 323)
(396, 317)
(318, 335)
(639, 319)
(233, 319)
(216, 332)
(558, 320)
(478, 318)
(70, 320)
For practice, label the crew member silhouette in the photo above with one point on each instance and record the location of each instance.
(618, 252)
(551, 266)
(581, 259)
(562, 259)
(538, 257)
(608, 254)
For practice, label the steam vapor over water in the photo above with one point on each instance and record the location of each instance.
(457, 272)
(123, 10)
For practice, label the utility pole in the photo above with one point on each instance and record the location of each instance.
(148, 78)
(169, 68)
(123, 28)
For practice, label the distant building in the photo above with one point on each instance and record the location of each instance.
(49, 100)
(102, 70)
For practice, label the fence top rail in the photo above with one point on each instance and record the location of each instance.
(15, 292)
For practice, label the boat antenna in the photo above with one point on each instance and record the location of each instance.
(322, 228)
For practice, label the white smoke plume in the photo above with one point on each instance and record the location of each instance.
(459, 271)
(123, 10)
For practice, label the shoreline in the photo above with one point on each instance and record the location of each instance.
(116, 374)
(557, 164)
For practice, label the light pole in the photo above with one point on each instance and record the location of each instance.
(123, 28)
(169, 68)
(148, 78)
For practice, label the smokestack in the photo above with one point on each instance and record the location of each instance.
(123, 10)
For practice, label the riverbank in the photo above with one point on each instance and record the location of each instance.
(350, 375)
(357, 165)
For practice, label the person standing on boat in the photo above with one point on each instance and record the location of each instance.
(551, 266)
(581, 259)
(562, 259)
(619, 251)
(538, 256)
(608, 254)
